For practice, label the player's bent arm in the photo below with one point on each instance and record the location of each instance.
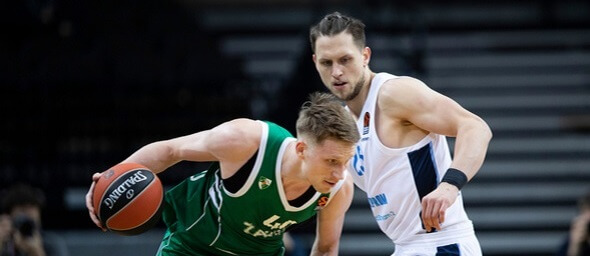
(331, 219)
(434, 112)
(231, 143)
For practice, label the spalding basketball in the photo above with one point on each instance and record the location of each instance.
(128, 199)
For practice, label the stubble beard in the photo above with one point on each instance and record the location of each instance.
(356, 90)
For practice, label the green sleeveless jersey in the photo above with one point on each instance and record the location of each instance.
(203, 218)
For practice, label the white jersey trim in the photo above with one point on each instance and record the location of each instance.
(257, 164)
(280, 187)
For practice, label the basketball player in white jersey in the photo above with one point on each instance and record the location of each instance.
(403, 161)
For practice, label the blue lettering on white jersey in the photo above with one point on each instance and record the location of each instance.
(385, 216)
(358, 161)
(378, 200)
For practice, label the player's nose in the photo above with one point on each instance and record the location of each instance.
(337, 71)
(338, 172)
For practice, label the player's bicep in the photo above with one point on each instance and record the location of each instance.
(441, 115)
(224, 142)
(412, 100)
(194, 147)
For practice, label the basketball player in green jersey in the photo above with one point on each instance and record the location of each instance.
(262, 182)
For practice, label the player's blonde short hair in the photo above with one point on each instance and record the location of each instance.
(323, 117)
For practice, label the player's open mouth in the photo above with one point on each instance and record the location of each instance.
(330, 183)
(339, 84)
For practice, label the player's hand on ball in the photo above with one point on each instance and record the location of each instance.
(89, 204)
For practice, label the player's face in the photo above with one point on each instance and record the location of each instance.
(341, 64)
(325, 163)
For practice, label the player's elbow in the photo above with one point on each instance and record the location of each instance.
(326, 251)
(481, 128)
(486, 130)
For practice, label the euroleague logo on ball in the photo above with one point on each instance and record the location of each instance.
(109, 174)
(129, 194)
(124, 189)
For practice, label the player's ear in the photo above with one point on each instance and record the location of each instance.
(314, 58)
(366, 55)
(300, 148)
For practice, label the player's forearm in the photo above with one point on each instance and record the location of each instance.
(156, 156)
(471, 146)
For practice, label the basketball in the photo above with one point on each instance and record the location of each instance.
(128, 199)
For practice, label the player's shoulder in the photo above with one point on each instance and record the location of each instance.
(243, 121)
(403, 85)
(391, 86)
(240, 128)
(396, 94)
(235, 140)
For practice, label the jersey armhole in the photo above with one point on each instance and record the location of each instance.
(236, 181)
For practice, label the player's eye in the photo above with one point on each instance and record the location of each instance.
(333, 161)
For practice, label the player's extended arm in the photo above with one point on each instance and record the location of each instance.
(230, 142)
(331, 219)
(410, 99)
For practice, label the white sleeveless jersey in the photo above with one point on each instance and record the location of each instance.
(396, 179)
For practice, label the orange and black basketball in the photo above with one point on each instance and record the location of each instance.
(128, 199)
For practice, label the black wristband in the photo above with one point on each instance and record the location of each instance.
(455, 177)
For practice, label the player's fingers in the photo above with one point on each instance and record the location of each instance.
(90, 192)
(89, 196)
(89, 204)
(439, 214)
(96, 221)
(91, 208)
(442, 212)
(434, 206)
(96, 176)
(427, 214)
(423, 216)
